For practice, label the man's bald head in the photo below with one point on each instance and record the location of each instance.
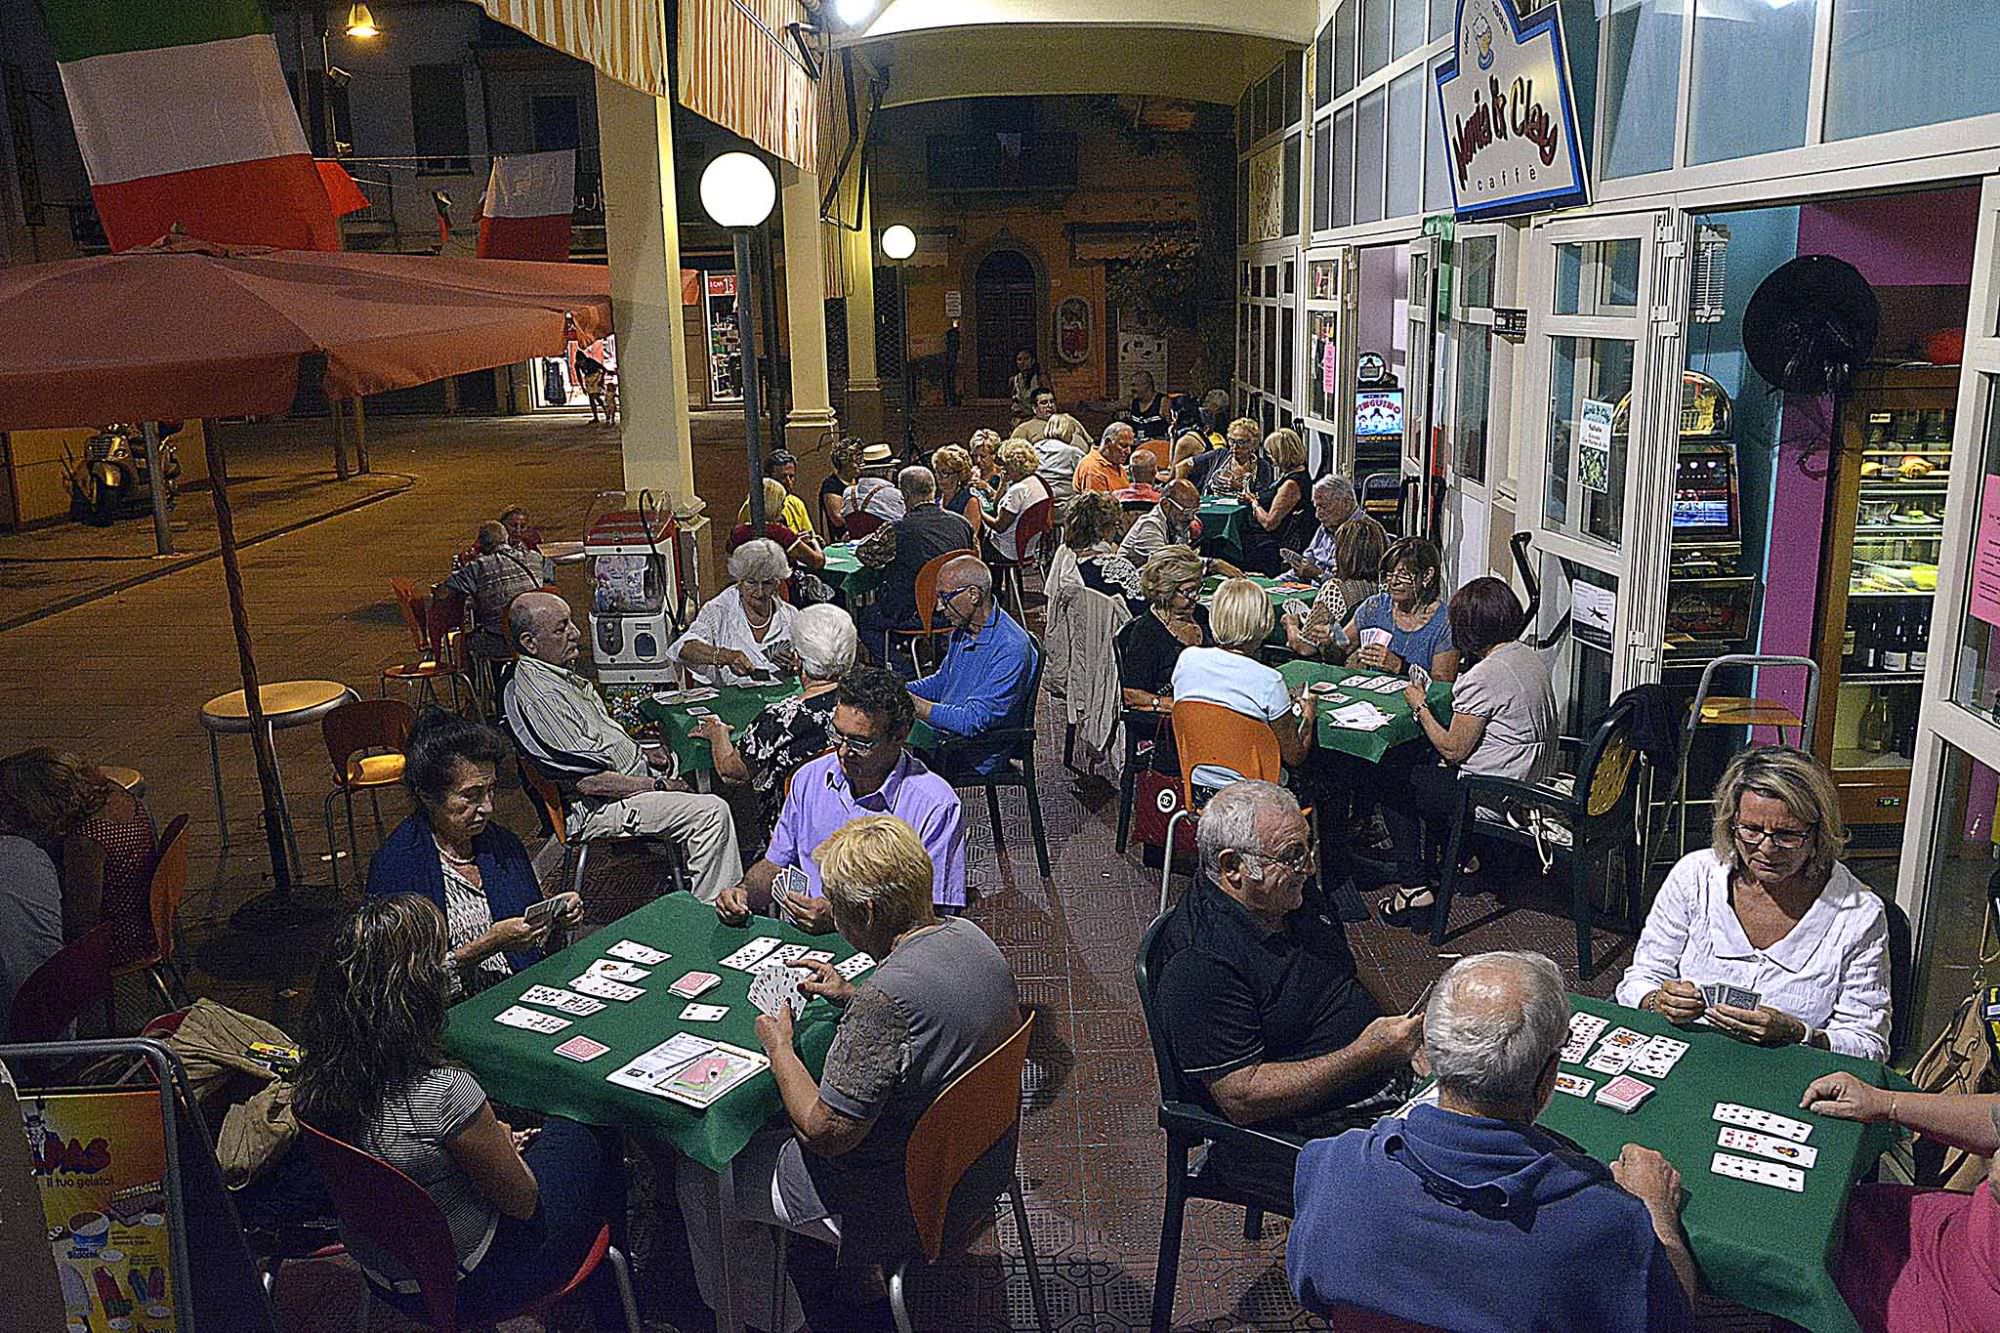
(1493, 1027)
(965, 588)
(541, 627)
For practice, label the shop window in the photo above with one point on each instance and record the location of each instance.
(1476, 258)
(1955, 929)
(1374, 36)
(1597, 277)
(1641, 84)
(1291, 277)
(1407, 27)
(1270, 380)
(1253, 335)
(1293, 186)
(1475, 380)
(1287, 346)
(1322, 177)
(1443, 14)
(1586, 485)
(1270, 279)
(1437, 158)
(1891, 71)
(1243, 204)
(1370, 114)
(1977, 685)
(1319, 400)
(1293, 91)
(1406, 144)
(1343, 165)
(1752, 65)
(1344, 44)
(1323, 66)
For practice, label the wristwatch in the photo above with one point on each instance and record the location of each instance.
(659, 783)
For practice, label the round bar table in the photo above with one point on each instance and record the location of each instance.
(287, 704)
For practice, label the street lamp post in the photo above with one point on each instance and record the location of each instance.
(898, 244)
(737, 193)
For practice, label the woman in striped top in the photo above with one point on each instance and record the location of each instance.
(523, 1206)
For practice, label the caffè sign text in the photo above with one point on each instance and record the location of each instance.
(1508, 118)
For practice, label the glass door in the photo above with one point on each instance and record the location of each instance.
(1471, 413)
(1421, 375)
(1604, 352)
(1328, 397)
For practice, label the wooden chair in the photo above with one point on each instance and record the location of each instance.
(60, 991)
(1207, 733)
(166, 886)
(357, 734)
(379, 1202)
(1190, 1125)
(1018, 770)
(926, 595)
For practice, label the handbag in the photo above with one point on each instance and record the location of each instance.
(1965, 1059)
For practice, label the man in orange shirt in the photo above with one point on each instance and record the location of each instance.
(1103, 468)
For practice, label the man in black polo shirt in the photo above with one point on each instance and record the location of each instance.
(1258, 993)
(900, 550)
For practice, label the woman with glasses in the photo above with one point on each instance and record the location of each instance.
(1766, 935)
(743, 636)
(1407, 624)
(1150, 644)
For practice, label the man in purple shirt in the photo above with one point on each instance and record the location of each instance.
(869, 773)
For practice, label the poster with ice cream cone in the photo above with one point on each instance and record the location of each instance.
(100, 1159)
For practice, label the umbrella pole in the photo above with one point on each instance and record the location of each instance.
(339, 444)
(360, 435)
(156, 476)
(239, 616)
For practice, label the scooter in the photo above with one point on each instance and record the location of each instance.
(113, 477)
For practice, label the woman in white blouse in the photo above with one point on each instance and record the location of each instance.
(743, 636)
(1769, 909)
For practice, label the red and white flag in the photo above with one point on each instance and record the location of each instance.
(183, 116)
(529, 199)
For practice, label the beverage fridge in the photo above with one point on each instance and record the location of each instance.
(1884, 531)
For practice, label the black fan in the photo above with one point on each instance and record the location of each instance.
(1811, 325)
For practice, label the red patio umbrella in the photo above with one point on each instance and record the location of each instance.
(189, 328)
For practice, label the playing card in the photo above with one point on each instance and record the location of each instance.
(1657, 1058)
(540, 911)
(1625, 1039)
(1574, 1084)
(568, 1002)
(637, 953)
(514, 1016)
(1764, 1122)
(1583, 1030)
(1738, 998)
(605, 987)
(694, 983)
(1764, 1145)
(1762, 1173)
(746, 958)
(816, 956)
(1610, 1060)
(855, 966)
(1624, 1093)
(776, 987)
(581, 1049)
(786, 954)
(1710, 992)
(703, 1013)
(616, 970)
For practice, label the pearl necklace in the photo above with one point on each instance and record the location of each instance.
(445, 852)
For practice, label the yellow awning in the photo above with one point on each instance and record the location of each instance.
(740, 70)
(626, 40)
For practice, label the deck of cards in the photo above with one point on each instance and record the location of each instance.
(694, 983)
(1731, 997)
(776, 986)
(1624, 1093)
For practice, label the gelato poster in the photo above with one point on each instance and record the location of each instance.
(101, 1161)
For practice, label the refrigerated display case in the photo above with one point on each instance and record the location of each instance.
(1884, 532)
(725, 346)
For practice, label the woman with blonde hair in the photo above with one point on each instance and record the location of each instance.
(985, 450)
(1150, 644)
(800, 545)
(952, 466)
(1092, 524)
(1229, 674)
(1765, 934)
(1025, 490)
(845, 459)
(1281, 513)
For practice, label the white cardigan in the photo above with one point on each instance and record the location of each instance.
(1831, 971)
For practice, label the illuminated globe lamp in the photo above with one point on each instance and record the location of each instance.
(737, 192)
(898, 244)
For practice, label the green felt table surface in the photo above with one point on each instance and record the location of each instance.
(1763, 1247)
(845, 571)
(522, 1069)
(1369, 745)
(737, 705)
(1222, 527)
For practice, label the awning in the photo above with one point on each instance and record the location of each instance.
(625, 40)
(739, 69)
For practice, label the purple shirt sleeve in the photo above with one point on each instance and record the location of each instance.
(942, 830)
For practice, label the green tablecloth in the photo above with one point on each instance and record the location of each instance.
(1762, 1247)
(1369, 745)
(738, 705)
(522, 1069)
(1222, 528)
(845, 571)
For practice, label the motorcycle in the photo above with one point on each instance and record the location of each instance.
(113, 477)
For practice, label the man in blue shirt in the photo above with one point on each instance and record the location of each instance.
(1464, 1215)
(982, 684)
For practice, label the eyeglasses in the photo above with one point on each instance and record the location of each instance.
(1785, 839)
(945, 595)
(1300, 861)
(858, 746)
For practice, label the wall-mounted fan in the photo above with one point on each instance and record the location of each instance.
(1811, 325)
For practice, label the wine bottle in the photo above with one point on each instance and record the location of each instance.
(1920, 642)
(1868, 653)
(1874, 733)
(1847, 647)
(1895, 642)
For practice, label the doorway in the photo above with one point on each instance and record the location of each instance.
(1004, 321)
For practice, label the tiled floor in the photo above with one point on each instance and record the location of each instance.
(120, 679)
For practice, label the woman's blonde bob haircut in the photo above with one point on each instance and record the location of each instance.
(1287, 450)
(876, 867)
(1169, 568)
(1781, 773)
(1240, 615)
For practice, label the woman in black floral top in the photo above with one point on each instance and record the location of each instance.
(795, 728)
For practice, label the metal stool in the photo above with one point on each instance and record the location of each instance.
(1736, 711)
(287, 704)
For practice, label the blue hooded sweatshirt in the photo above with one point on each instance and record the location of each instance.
(1459, 1222)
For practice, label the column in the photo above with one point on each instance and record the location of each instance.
(857, 251)
(642, 237)
(811, 413)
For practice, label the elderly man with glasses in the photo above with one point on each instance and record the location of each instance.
(1258, 993)
(1171, 522)
(982, 684)
(869, 772)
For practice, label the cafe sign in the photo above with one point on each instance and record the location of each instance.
(1508, 118)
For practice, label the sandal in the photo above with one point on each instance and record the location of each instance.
(1400, 908)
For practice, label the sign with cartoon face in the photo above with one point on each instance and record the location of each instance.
(1508, 116)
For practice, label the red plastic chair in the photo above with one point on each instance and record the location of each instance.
(375, 1200)
(1029, 530)
(58, 992)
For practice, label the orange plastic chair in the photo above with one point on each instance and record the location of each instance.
(439, 657)
(356, 734)
(164, 891)
(1206, 733)
(926, 594)
(376, 1200)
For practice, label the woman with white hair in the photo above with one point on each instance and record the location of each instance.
(744, 635)
(796, 727)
